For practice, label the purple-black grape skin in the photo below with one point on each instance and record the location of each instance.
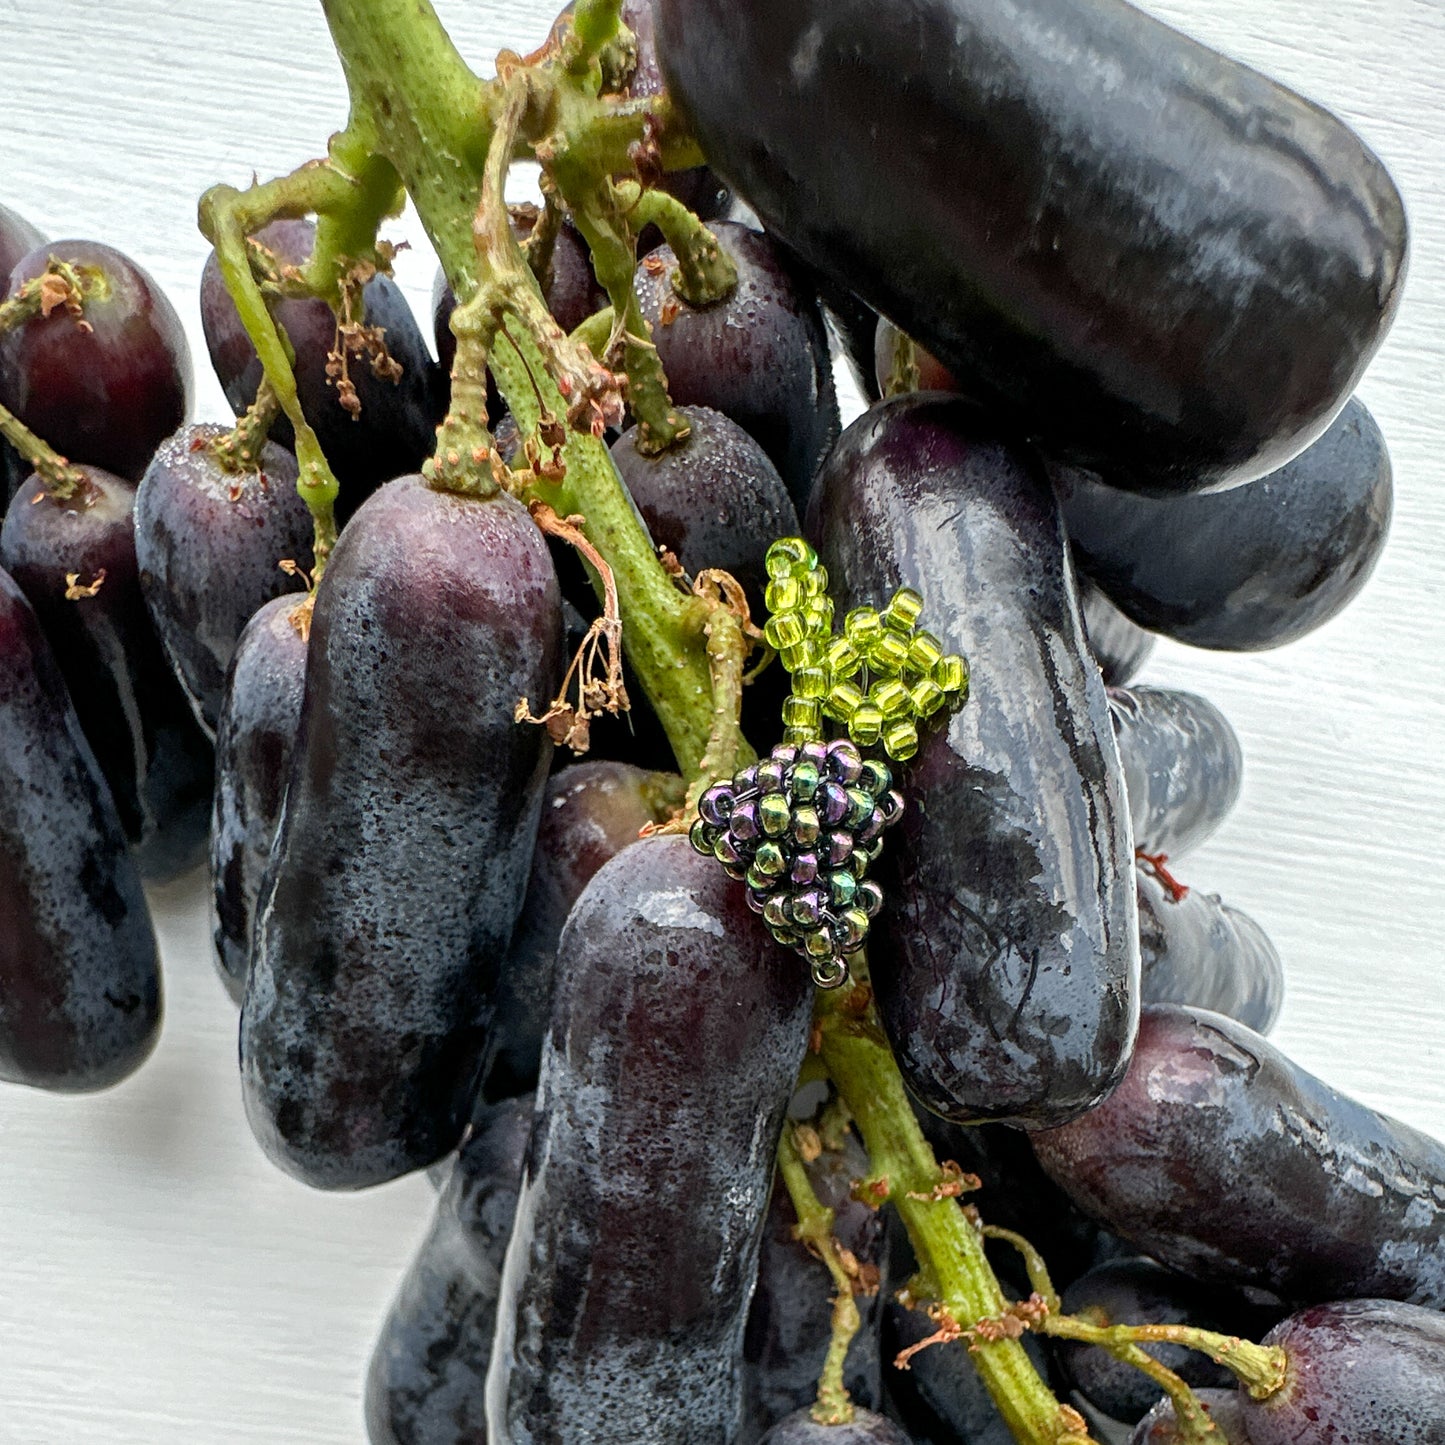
(1360, 1372)
(396, 430)
(592, 810)
(17, 237)
(135, 715)
(1161, 1427)
(1006, 954)
(713, 500)
(108, 395)
(1199, 951)
(1221, 1158)
(80, 983)
(865, 1428)
(1256, 567)
(760, 355)
(401, 858)
(210, 543)
(1061, 276)
(790, 1321)
(255, 737)
(1136, 1292)
(1121, 647)
(1183, 766)
(426, 1384)
(677, 1032)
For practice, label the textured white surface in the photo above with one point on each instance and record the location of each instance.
(159, 1283)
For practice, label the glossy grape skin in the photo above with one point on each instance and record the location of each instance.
(138, 721)
(760, 355)
(80, 986)
(1183, 766)
(1061, 272)
(401, 857)
(1255, 567)
(209, 543)
(17, 236)
(790, 1322)
(1221, 1158)
(865, 1428)
(1197, 950)
(1119, 646)
(1360, 1372)
(426, 1384)
(396, 430)
(713, 500)
(627, 1280)
(592, 810)
(1136, 1292)
(110, 394)
(255, 737)
(1007, 949)
(1161, 1426)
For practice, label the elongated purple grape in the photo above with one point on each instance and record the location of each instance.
(427, 1381)
(677, 1033)
(760, 355)
(1006, 961)
(107, 393)
(1250, 568)
(401, 857)
(1182, 766)
(592, 810)
(865, 1428)
(1161, 1426)
(76, 562)
(17, 236)
(1137, 1292)
(1360, 1372)
(790, 1322)
(210, 543)
(395, 430)
(1221, 1158)
(1121, 647)
(1197, 950)
(80, 985)
(255, 737)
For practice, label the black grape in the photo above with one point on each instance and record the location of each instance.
(865, 1428)
(17, 236)
(80, 986)
(1121, 647)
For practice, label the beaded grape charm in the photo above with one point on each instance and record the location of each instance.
(802, 827)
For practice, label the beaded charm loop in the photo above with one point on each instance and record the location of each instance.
(801, 827)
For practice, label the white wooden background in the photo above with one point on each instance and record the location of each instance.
(160, 1284)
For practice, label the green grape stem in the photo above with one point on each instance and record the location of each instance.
(62, 481)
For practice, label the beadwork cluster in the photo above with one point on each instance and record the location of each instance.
(800, 829)
(878, 679)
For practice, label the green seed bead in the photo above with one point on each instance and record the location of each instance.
(819, 943)
(796, 737)
(701, 836)
(784, 595)
(887, 652)
(890, 697)
(925, 652)
(771, 862)
(860, 808)
(843, 701)
(801, 654)
(817, 614)
(810, 682)
(861, 626)
(841, 658)
(875, 777)
(788, 556)
(900, 739)
(865, 725)
(815, 583)
(773, 815)
(784, 629)
(926, 697)
(803, 712)
(805, 782)
(842, 887)
(788, 937)
(951, 674)
(903, 610)
(775, 913)
(852, 928)
(806, 825)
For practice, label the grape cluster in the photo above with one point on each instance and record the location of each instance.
(879, 679)
(800, 829)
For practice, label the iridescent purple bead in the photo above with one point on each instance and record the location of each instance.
(807, 908)
(716, 804)
(726, 852)
(746, 781)
(815, 753)
(785, 753)
(837, 848)
(743, 825)
(844, 761)
(701, 836)
(769, 775)
(871, 827)
(805, 869)
(869, 898)
(756, 900)
(832, 803)
(891, 803)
